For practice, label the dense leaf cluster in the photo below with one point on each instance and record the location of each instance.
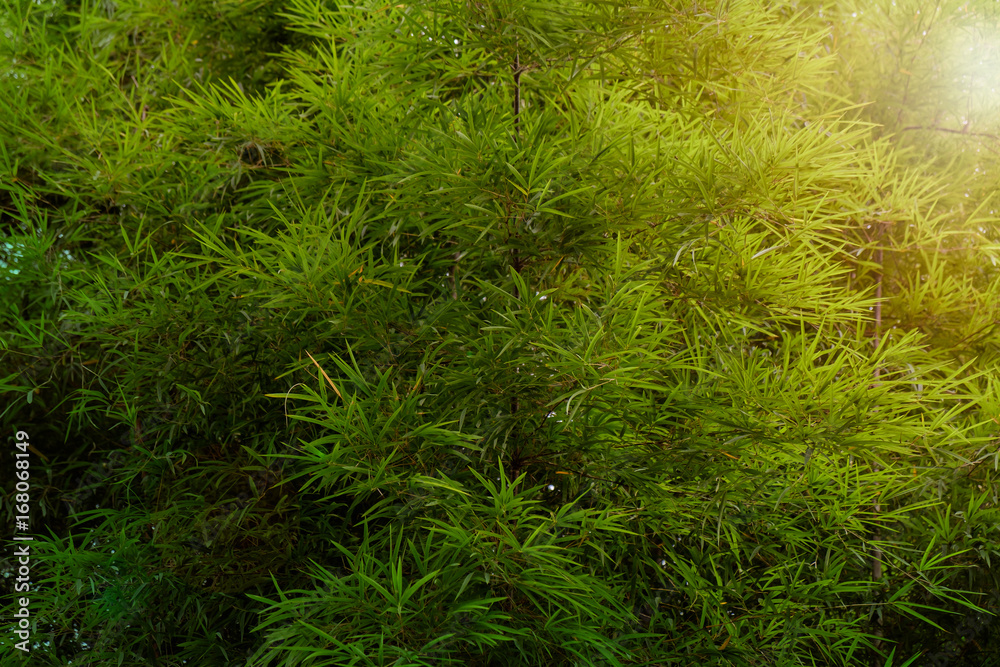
(507, 332)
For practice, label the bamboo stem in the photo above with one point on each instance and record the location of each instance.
(876, 658)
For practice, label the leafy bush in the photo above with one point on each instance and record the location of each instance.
(487, 333)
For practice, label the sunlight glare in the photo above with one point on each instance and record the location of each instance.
(977, 71)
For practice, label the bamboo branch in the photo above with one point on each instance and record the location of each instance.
(964, 130)
(876, 658)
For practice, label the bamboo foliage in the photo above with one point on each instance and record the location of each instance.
(482, 333)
